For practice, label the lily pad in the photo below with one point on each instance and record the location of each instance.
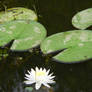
(26, 34)
(29, 89)
(83, 19)
(75, 54)
(4, 37)
(77, 45)
(17, 13)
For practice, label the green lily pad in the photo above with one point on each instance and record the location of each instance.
(5, 37)
(75, 43)
(26, 34)
(83, 19)
(30, 89)
(75, 54)
(17, 13)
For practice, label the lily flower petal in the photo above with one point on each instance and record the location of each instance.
(37, 85)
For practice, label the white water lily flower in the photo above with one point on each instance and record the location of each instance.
(39, 77)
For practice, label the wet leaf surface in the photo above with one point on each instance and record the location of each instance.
(77, 45)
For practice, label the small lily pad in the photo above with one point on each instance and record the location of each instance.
(17, 13)
(77, 45)
(29, 89)
(26, 34)
(83, 19)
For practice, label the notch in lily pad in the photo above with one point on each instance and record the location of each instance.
(83, 19)
(17, 13)
(76, 46)
(26, 34)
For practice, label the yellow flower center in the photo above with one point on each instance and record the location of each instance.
(40, 73)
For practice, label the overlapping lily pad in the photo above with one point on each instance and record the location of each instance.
(83, 19)
(77, 45)
(26, 34)
(17, 13)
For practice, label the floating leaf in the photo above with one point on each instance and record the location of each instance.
(30, 89)
(77, 45)
(75, 54)
(4, 37)
(17, 13)
(83, 19)
(26, 34)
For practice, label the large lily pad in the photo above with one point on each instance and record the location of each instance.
(26, 34)
(17, 13)
(83, 19)
(77, 45)
(76, 53)
(4, 37)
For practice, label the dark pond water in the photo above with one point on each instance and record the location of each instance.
(56, 16)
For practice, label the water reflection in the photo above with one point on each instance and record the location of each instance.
(69, 77)
(12, 72)
(10, 81)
